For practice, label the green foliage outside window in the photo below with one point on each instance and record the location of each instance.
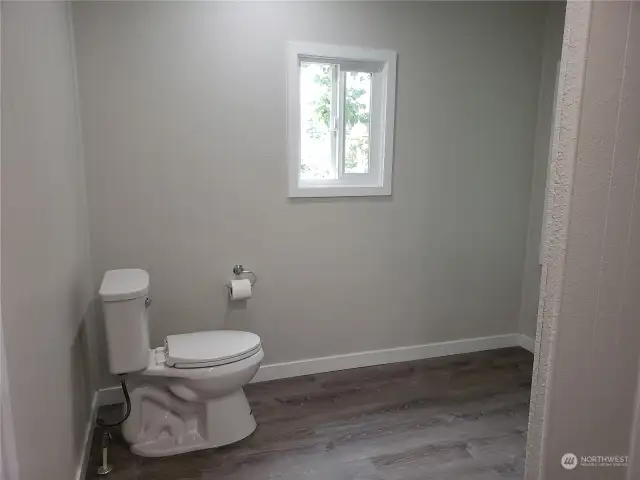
(355, 112)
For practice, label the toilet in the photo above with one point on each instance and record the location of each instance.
(186, 395)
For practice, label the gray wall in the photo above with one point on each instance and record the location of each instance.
(183, 108)
(46, 277)
(591, 276)
(553, 29)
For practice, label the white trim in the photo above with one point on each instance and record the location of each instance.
(380, 357)
(527, 342)
(341, 52)
(382, 63)
(318, 191)
(81, 472)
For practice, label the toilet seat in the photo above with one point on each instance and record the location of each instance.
(210, 349)
(157, 367)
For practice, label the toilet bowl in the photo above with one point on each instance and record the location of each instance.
(178, 410)
(186, 395)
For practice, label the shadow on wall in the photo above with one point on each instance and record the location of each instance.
(82, 368)
(105, 379)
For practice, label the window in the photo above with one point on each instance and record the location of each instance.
(341, 103)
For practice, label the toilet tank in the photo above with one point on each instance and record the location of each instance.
(124, 295)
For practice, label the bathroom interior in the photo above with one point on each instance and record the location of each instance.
(387, 332)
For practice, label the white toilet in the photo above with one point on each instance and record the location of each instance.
(186, 395)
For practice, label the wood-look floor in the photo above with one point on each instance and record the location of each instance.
(450, 418)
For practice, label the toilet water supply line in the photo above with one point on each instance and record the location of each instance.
(104, 424)
(106, 434)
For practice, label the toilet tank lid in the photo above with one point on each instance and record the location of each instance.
(125, 284)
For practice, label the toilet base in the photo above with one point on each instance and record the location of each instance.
(162, 429)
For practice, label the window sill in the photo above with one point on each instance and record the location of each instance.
(318, 191)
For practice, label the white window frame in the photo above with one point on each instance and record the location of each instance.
(382, 65)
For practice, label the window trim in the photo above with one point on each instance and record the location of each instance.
(383, 64)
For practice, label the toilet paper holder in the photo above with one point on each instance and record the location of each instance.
(239, 270)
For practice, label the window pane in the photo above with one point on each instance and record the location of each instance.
(317, 161)
(357, 112)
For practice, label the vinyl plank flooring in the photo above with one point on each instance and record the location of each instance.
(457, 417)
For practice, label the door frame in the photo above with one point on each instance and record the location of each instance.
(558, 207)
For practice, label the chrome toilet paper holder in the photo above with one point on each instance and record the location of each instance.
(239, 271)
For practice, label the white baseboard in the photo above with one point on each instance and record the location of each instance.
(379, 357)
(527, 342)
(297, 368)
(81, 472)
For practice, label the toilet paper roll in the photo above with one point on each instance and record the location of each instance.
(240, 289)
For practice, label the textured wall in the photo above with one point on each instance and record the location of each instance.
(590, 332)
(46, 278)
(183, 108)
(553, 29)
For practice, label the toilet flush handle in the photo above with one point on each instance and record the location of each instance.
(147, 302)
